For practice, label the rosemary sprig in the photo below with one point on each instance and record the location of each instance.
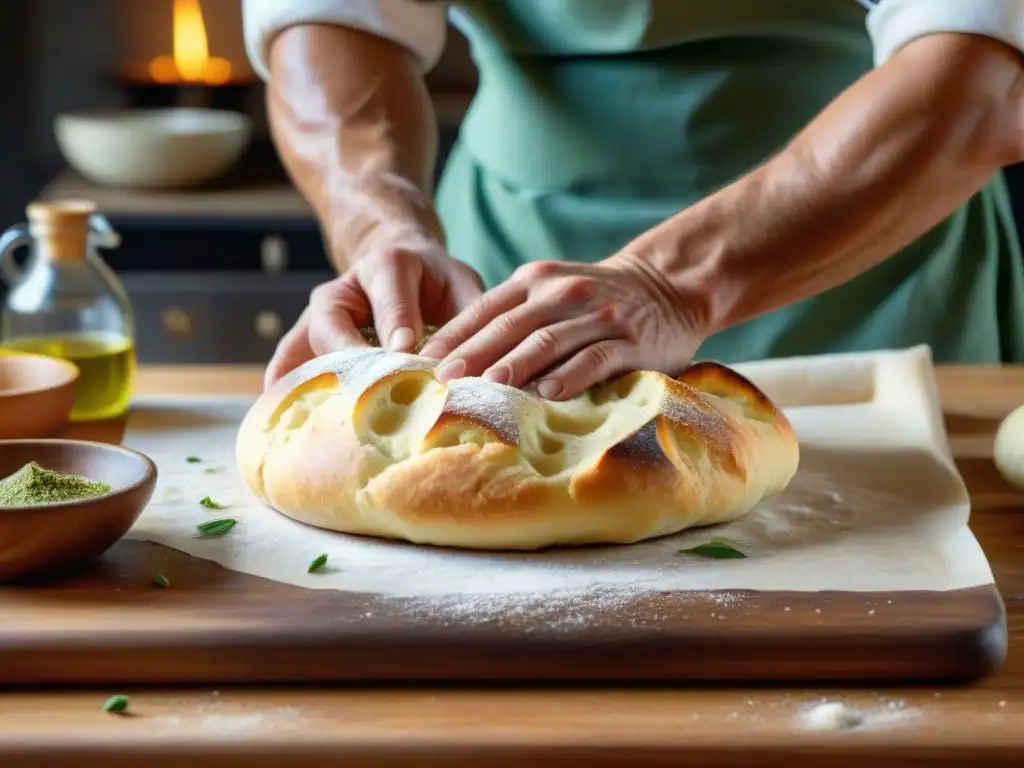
(216, 527)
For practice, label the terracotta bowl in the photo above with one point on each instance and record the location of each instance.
(36, 395)
(50, 540)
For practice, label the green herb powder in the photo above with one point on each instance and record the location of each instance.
(33, 484)
(370, 336)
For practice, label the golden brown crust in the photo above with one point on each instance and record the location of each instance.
(369, 442)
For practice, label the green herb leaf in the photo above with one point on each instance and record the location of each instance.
(118, 703)
(216, 527)
(160, 580)
(212, 470)
(317, 563)
(192, 459)
(209, 503)
(715, 548)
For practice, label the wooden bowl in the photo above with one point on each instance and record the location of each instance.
(49, 540)
(36, 395)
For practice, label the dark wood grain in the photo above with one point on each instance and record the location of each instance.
(220, 626)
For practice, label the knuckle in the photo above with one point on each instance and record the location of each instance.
(320, 292)
(536, 270)
(575, 290)
(325, 292)
(505, 324)
(388, 258)
(544, 341)
(610, 312)
(482, 309)
(391, 307)
(599, 356)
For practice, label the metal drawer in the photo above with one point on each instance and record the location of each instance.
(215, 317)
(212, 246)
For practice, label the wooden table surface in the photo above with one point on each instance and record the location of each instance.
(982, 724)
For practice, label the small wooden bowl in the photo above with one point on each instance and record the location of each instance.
(49, 540)
(36, 395)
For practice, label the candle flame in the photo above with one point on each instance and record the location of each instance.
(191, 61)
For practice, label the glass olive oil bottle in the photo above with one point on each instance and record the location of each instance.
(67, 303)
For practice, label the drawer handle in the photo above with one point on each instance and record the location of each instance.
(269, 325)
(178, 323)
(274, 254)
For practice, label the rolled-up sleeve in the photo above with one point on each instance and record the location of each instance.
(418, 26)
(893, 24)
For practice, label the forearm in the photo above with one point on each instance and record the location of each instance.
(354, 126)
(894, 155)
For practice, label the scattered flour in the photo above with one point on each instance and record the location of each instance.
(566, 611)
(832, 716)
(837, 716)
(212, 718)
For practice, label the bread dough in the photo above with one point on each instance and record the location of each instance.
(1009, 449)
(368, 441)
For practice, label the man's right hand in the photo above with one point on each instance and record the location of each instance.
(394, 291)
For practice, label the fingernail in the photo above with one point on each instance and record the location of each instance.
(549, 389)
(452, 370)
(499, 374)
(402, 339)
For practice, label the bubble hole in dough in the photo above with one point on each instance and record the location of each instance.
(1009, 449)
(367, 441)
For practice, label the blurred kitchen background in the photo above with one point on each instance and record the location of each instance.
(216, 272)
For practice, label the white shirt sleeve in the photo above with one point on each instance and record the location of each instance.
(419, 26)
(894, 23)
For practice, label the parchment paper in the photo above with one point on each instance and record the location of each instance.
(876, 505)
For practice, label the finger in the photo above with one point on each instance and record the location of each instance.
(547, 346)
(473, 319)
(592, 365)
(497, 339)
(336, 311)
(393, 289)
(334, 330)
(292, 351)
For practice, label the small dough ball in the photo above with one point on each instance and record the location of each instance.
(1009, 449)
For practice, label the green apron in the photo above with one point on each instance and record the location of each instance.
(597, 119)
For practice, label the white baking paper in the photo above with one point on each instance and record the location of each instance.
(877, 504)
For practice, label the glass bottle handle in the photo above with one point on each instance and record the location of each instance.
(107, 235)
(13, 238)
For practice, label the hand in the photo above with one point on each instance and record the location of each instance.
(569, 326)
(396, 291)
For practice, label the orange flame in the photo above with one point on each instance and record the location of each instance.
(191, 61)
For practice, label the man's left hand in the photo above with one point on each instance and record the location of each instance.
(561, 327)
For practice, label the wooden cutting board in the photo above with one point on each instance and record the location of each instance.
(216, 626)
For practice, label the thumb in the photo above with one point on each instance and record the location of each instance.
(393, 290)
(335, 311)
(292, 351)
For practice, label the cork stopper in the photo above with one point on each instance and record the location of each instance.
(60, 228)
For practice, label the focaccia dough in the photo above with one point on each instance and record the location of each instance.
(367, 441)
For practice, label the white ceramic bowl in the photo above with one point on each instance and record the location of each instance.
(152, 148)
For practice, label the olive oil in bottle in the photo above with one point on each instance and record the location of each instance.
(67, 303)
(106, 369)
